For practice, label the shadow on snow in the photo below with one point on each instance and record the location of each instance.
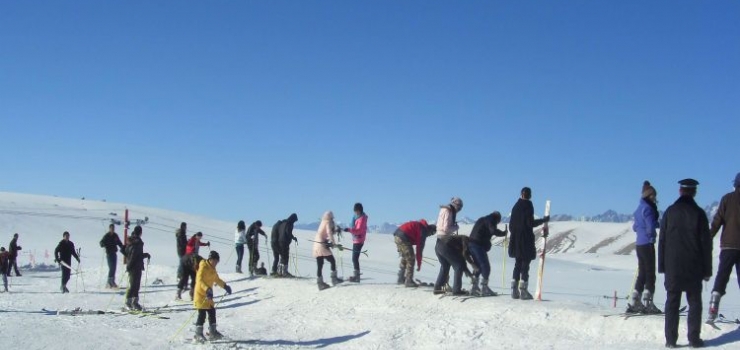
(318, 343)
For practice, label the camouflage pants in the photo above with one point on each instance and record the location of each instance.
(406, 250)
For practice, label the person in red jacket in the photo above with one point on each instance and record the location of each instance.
(412, 233)
(194, 243)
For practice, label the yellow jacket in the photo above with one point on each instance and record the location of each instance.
(205, 278)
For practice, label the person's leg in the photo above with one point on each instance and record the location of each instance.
(693, 297)
(727, 260)
(199, 325)
(319, 266)
(673, 301)
(276, 256)
(650, 270)
(111, 258)
(239, 256)
(356, 249)
(444, 266)
(641, 269)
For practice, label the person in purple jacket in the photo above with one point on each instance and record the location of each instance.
(645, 226)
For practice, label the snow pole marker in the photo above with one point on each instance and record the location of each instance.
(541, 268)
(79, 272)
(295, 259)
(503, 257)
(267, 249)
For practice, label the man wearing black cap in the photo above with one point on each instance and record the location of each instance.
(685, 257)
(727, 218)
(522, 243)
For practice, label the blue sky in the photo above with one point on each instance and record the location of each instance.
(256, 109)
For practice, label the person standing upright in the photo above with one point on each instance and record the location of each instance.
(195, 242)
(685, 257)
(135, 265)
(112, 245)
(323, 242)
(253, 244)
(181, 236)
(13, 250)
(240, 239)
(645, 227)
(359, 232)
(4, 259)
(522, 244)
(727, 218)
(63, 255)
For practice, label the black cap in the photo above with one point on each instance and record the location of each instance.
(214, 255)
(688, 183)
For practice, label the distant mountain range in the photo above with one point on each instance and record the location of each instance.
(607, 216)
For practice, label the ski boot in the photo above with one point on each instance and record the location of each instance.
(514, 289)
(191, 294)
(321, 284)
(238, 269)
(475, 290)
(409, 282)
(356, 277)
(523, 292)
(213, 333)
(461, 292)
(129, 304)
(401, 276)
(713, 307)
(650, 308)
(485, 291)
(199, 338)
(635, 306)
(179, 294)
(136, 305)
(334, 279)
(283, 272)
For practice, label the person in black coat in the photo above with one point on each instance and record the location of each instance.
(13, 250)
(189, 265)
(521, 245)
(112, 245)
(253, 232)
(181, 236)
(480, 244)
(685, 257)
(135, 264)
(4, 259)
(63, 255)
(285, 236)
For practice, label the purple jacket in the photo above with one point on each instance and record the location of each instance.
(646, 223)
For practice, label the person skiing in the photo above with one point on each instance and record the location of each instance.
(63, 254)
(359, 232)
(282, 234)
(480, 244)
(521, 244)
(685, 257)
(205, 279)
(112, 245)
(323, 242)
(189, 265)
(194, 243)
(4, 265)
(728, 219)
(408, 235)
(645, 226)
(240, 239)
(182, 243)
(446, 227)
(135, 264)
(13, 249)
(253, 241)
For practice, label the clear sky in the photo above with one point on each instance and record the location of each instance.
(256, 109)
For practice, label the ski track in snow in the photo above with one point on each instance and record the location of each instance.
(267, 313)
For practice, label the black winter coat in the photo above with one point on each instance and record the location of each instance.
(135, 254)
(483, 230)
(65, 251)
(252, 233)
(684, 246)
(189, 262)
(111, 243)
(275, 233)
(182, 241)
(522, 224)
(14, 248)
(286, 230)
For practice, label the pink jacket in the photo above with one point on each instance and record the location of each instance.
(324, 234)
(360, 230)
(446, 224)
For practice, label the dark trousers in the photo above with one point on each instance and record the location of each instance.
(276, 255)
(448, 258)
(356, 249)
(645, 268)
(320, 264)
(254, 256)
(728, 258)
(66, 273)
(184, 279)
(179, 268)
(112, 261)
(480, 257)
(134, 283)
(239, 254)
(202, 316)
(521, 269)
(671, 315)
(13, 265)
(284, 254)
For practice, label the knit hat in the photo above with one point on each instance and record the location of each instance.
(648, 190)
(737, 180)
(214, 255)
(456, 203)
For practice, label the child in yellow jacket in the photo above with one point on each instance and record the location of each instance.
(205, 278)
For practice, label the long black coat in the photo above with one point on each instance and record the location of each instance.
(182, 241)
(522, 224)
(13, 248)
(684, 246)
(483, 230)
(286, 230)
(135, 254)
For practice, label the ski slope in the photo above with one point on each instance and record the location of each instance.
(289, 314)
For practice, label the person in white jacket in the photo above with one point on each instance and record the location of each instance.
(240, 239)
(322, 245)
(446, 228)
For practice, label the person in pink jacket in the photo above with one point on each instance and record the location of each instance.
(358, 231)
(322, 245)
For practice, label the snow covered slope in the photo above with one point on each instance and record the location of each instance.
(286, 314)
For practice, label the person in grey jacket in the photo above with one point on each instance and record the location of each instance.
(728, 219)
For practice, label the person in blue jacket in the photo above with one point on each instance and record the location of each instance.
(645, 227)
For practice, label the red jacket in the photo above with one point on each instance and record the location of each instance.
(193, 245)
(414, 230)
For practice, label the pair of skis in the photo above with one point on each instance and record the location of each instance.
(541, 267)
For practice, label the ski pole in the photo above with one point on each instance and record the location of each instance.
(503, 257)
(79, 272)
(102, 274)
(295, 259)
(267, 249)
(146, 278)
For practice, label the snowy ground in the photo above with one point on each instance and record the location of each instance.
(276, 313)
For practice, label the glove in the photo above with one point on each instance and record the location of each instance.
(418, 268)
(19, 248)
(227, 289)
(330, 245)
(707, 278)
(546, 218)
(346, 229)
(295, 239)
(209, 294)
(123, 250)
(340, 247)
(78, 260)
(57, 261)
(208, 244)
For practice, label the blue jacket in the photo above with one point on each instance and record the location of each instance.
(646, 222)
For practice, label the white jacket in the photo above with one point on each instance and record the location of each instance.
(240, 237)
(446, 225)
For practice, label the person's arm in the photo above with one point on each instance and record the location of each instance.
(420, 252)
(705, 238)
(74, 253)
(661, 244)
(719, 218)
